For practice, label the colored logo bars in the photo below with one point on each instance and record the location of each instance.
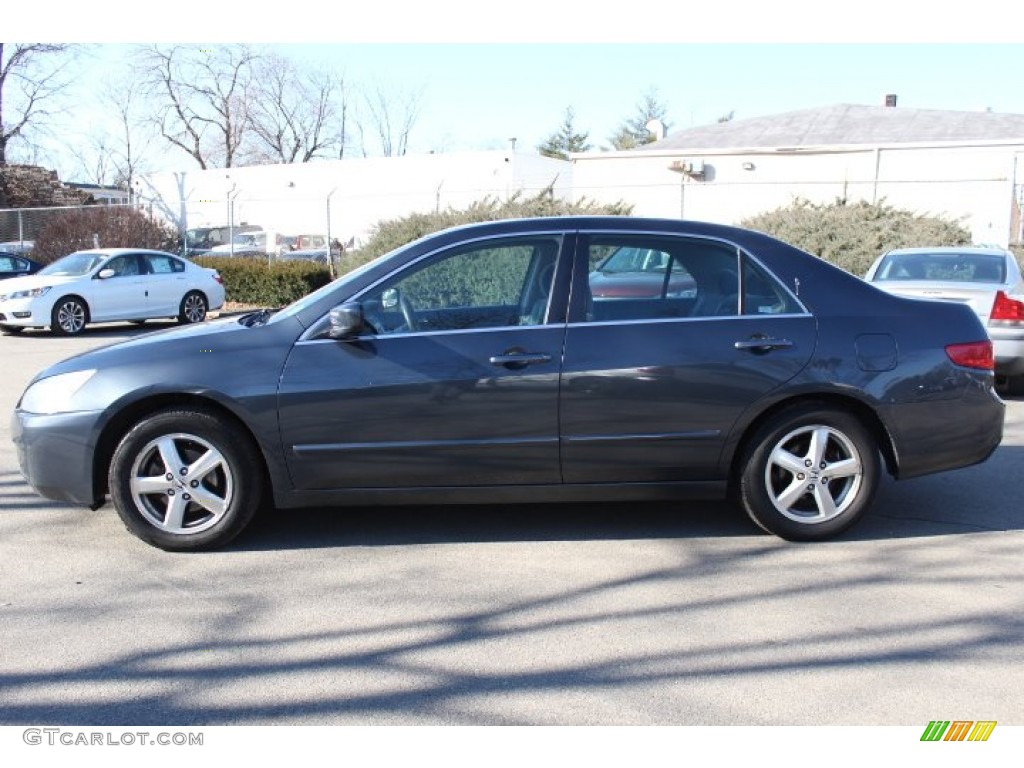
(958, 730)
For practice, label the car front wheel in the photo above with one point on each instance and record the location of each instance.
(69, 316)
(186, 480)
(809, 473)
(193, 308)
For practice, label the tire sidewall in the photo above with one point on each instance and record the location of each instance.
(230, 440)
(55, 326)
(183, 316)
(755, 496)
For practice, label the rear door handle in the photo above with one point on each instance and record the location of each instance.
(763, 344)
(515, 360)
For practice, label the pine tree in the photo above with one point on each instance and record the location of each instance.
(565, 140)
(634, 132)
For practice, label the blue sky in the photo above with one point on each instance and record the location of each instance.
(486, 72)
(477, 96)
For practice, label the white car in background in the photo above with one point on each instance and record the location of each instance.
(250, 244)
(987, 279)
(108, 284)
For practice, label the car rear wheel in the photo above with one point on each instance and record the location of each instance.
(1010, 385)
(193, 308)
(186, 480)
(810, 473)
(69, 316)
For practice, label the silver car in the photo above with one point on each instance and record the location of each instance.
(987, 279)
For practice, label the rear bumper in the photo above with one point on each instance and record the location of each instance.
(931, 439)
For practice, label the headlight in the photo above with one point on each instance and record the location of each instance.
(31, 293)
(54, 394)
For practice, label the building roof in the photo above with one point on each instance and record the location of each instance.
(847, 124)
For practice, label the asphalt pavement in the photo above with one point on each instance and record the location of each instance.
(570, 615)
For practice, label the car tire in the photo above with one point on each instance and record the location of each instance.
(11, 330)
(69, 316)
(1013, 386)
(193, 308)
(809, 473)
(186, 479)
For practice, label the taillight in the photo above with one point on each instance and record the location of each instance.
(218, 278)
(976, 354)
(1006, 310)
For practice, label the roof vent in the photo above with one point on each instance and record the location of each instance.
(890, 99)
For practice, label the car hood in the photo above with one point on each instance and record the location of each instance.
(28, 282)
(216, 347)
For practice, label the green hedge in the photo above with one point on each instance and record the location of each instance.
(254, 281)
(852, 235)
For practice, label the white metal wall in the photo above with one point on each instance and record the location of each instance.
(973, 184)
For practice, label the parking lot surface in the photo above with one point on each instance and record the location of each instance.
(573, 614)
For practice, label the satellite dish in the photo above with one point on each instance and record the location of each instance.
(656, 128)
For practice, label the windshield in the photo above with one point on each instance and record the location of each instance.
(945, 267)
(75, 265)
(196, 236)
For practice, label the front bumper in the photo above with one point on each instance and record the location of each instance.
(25, 313)
(55, 454)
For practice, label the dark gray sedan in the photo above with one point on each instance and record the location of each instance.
(477, 365)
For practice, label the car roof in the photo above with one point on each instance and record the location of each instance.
(122, 251)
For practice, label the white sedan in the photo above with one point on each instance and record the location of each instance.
(108, 284)
(986, 279)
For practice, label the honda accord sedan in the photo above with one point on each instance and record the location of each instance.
(108, 284)
(476, 365)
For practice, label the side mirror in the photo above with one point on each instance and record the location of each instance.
(105, 274)
(346, 321)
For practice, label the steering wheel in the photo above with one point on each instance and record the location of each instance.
(408, 314)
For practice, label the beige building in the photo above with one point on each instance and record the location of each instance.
(961, 165)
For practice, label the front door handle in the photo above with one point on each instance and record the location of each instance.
(515, 360)
(763, 344)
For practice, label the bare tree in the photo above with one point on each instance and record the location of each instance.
(31, 75)
(390, 118)
(114, 152)
(202, 98)
(297, 115)
(126, 101)
(92, 157)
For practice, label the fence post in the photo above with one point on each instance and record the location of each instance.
(330, 250)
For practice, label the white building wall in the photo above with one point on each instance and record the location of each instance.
(973, 184)
(360, 192)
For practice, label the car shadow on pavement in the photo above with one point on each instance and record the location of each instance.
(401, 525)
(113, 330)
(936, 505)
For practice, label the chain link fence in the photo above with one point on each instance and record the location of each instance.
(20, 227)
